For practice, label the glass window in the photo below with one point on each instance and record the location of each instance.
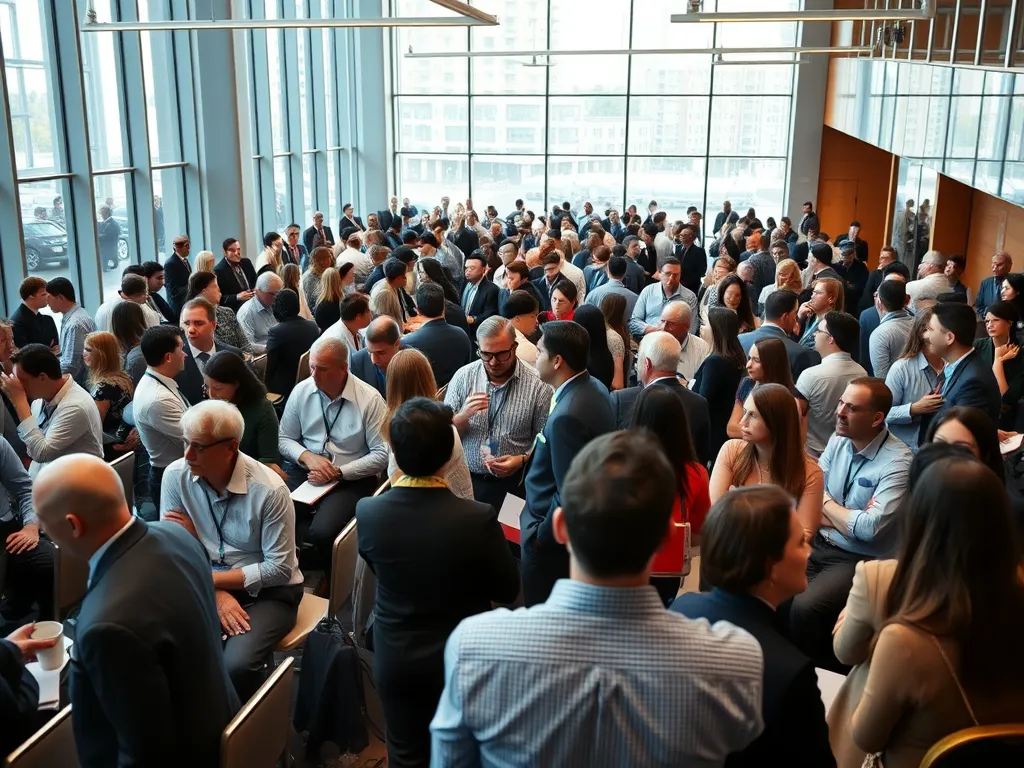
(995, 112)
(754, 79)
(419, 76)
(161, 88)
(574, 28)
(308, 175)
(49, 252)
(961, 170)
(29, 88)
(429, 177)
(169, 207)
(500, 181)
(748, 182)
(675, 182)
(987, 177)
(275, 66)
(597, 179)
(524, 28)
(749, 125)
(282, 198)
(508, 124)
(1013, 182)
(101, 57)
(600, 122)
(666, 125)
(964, 113)
(656, 74)
(118, 244)
(423, 122)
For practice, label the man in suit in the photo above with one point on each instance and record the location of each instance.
(692, 257)
(580, 411)
(318, 234)
(176, 273)
(988, 291)
(809, 221)
(349, 220)
(383, 342)
(886, 257)
(294, 252)
(819, 263)
(149, 684)
(656, 362)
(968, 378)
(235, 276)
(31, 327)
(780, 310)
(199, 321)
(447, 348)
(853, 236)
(153, 271)
(722, 216)
(479, 295)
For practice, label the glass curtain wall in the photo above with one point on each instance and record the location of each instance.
(613, 129)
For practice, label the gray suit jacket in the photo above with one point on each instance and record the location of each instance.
(800, 357)
(697, 415)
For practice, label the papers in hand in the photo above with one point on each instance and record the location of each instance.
(310, 494)
(1011, 444)
(508, 516)
(49, 680)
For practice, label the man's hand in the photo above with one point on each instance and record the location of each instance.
(930, 403)
(24, 540)
(503, 466)
(183, 520)
(22, 638)
(806, 310)
(470, 319)
(130, 443)
(12, 387)
(652, 328)
(233, 617)
(323, 476)
(245, 295)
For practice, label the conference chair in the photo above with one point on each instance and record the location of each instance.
(988, 745)
(300, 375)
(259, 366)
(70, 581)
(125, 468)
(52, 745)
(440, 393)
(258, 735)
(343, 566)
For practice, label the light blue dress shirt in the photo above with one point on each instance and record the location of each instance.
(15, 486)
(652, 299)
(74, 327)
(950, 368)
(909, 380)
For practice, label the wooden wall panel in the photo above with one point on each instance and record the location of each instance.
(951, 216)
(994, 225)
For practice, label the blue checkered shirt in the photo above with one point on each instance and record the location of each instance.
(596, 676)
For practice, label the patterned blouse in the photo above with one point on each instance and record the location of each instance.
(229, 331)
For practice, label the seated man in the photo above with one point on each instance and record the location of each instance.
(383, 342)
(535, 688)
(133, 288)
(256, 316)
(242, 514)
(56, 415)
(331, 433)
(865, 471)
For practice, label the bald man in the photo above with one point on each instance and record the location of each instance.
(149, 685)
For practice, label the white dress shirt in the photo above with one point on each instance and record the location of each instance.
(158, 407)
(106, 310)
(354, 341)
(70, 423)
(693, 352)
(821, 386)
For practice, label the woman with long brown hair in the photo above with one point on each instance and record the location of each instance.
(320, 260)
(613, 307)
(719, 375)
(771, 452)
(111, 389)
(409, 376)
(767, 363)
(292, 277)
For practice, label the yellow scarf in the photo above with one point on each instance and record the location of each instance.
(420, 482)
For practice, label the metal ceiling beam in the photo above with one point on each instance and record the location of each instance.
(925, 13)
(857, 49)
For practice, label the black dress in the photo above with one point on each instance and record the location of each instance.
(114, 425)
(716, 381)
(327, 314)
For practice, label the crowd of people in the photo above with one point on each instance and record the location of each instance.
(828, 435)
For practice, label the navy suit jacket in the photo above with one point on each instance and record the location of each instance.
(698, 417)
(362, 366)
(972, 383)
(795, 732)
(190, 380)
(229, 285)
(485, 305)
(303, 255)
(148, 680)
(868, 321)
(309, 234)
(447, 348)
(287, 342)
(800, 358)
(176, 276)
(583, 411)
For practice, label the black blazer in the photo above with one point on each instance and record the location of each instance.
(800, 358)
(972, 383)
(447, 348)
(190, 380)
(346, 223)
(795, 732)
(362, 366)
(33, 328)
(694, 261)
(531, 289)
(164, 308)
(301, 257)
(455, 315)
(438, 559)
(176, 276)
(286, 343)
(540, 286)
(309, 234)
(582, 412)
(696, 407)
(229, 285)
(716, 381)
(148, 684)
(485, 304)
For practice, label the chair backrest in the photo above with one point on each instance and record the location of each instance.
(343, 566)
(988, 745)
(440, 393)
(70, 581)
(259, 366)
(303, 373)
(125, 468)
(258, 735)
(51, 745)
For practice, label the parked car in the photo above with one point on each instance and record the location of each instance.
(120, 215)
(46, 243)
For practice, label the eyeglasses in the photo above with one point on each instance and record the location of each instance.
(500, 357)
(200, 447)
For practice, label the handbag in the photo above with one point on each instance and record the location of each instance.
(875, 760)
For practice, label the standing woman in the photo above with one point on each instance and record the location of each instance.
(707, 298)
(787, 278)
(827, 295)
(1000, 349)
(600, 364)
(204, 261)
(613, 307)
(228, 331)
(767, 363)
(660, 410)
(770, 451)
(320, 261)
(292, 275)
(128, 323)
(332, 291)
(430, 270)
(719, 375)
(732, 294)
(1012, 290)
(409, 376)
(111, 389)
(913, 380)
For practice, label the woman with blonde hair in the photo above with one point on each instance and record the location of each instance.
(827, 295)
(111, 389)
(292, 276)
(204, 261)
(320, 261)
(332, 291)
(409, 376)
(787, 278)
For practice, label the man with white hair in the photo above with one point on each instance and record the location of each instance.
(242, 514)
(656, 363)
(331, 436)
(676, 319)
(930, 283)
(256, 316)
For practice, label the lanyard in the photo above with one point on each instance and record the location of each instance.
(329, 427)
(180, 396)
(218, 525)
(848, 484)
(494, 412)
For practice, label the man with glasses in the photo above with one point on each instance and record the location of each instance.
(243, 516)
(294, 252)
(500, 406)
(331, 436)
(256, 316)
(176, 273)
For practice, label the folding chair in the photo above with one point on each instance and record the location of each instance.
(51, 745)
(258, 735)
(125, 468)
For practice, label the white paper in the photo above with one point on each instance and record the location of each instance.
(1010, 444)
(510, 509)
(829, 684)
(308, 493)
(49, 680)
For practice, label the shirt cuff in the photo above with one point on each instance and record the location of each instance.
(253, 581)
(26, 426)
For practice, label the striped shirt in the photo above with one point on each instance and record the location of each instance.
(256, 320)
(517, 413)
(888, 339)
(596, 676)
(909, 380)
(74, 327)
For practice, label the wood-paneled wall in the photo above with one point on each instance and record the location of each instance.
(995, 225)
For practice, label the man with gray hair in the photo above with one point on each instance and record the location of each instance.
(242, 514)
(133, 288)
(930, 283)
(500, 406)
(656, 362)
(676, 319)
(330, 438)
(256, 316)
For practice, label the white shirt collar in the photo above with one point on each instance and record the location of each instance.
(165, 380)
(196, 351)
(68, 381)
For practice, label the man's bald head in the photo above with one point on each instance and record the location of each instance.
(676, 318)
(80, 503)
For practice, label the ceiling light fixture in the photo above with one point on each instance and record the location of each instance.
(694, 15)
(854, 49)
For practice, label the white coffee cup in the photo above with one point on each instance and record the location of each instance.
(50, 658)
